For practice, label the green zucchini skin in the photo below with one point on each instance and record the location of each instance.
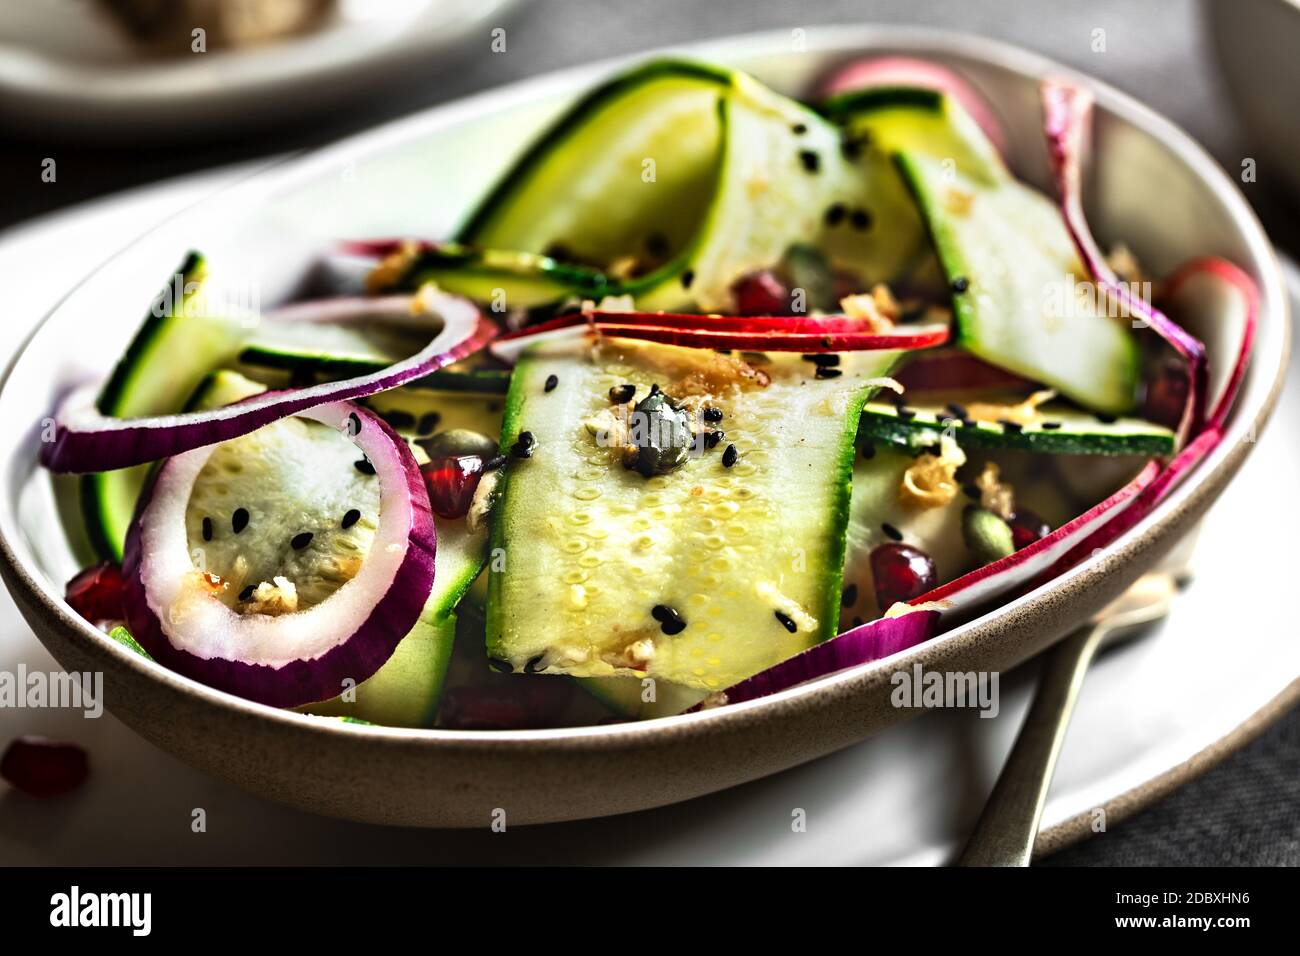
(506, 190)
(792, 484)
(722, 141)
(153, 377)
(1077, 432)
(511, 279)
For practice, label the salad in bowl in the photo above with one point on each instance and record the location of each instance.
(716, 392)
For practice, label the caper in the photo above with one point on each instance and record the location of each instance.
(661, 434)
(987, 536)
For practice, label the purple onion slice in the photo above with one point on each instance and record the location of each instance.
(861, 645)
(301, 656)
(1067, 116)
(85, 440)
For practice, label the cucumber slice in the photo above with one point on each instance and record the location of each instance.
(1011, 265)
(174, 348)
(750, 556)
(627, 696)
(682, 178)
(1061, 430)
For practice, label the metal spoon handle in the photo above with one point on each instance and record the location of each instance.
(1005, 833)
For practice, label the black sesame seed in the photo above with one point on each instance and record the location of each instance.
(207, 529)
(824, 371)
(1051, 426)
(500, 666)
(835, 214)
(891, 531)
(867, 451)
(428, 422)
(687, 278)
(1015, 428)
(712, 415)
(958, 411)
(524, 445)
(670, 622)
(1106, 419)
(656, 244)
(850, 596)
(301, 540)
(827, 359)
(531, 667)
(351, 518)
(364, 466)
(972, 491)
(729, 456)
(799, 129)
(355, 424)
(906, 414)
(247, 593)
(621, 394)
(239, 520)
(960, 284)
(492, 464)
(811, 161)
(400, 420)
(551, 382)
(861, 220)
(851, 149)
(786, 622)
(712, 438)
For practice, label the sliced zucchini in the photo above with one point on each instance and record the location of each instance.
(1056, 428)
(407, 690)
(1012, 267)
(677, 179)
(503, 279)
(641, 699)
(174, 348)
(879, 515)
(331, 352)
(699, 576)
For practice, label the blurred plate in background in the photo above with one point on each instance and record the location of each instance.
(69, 65)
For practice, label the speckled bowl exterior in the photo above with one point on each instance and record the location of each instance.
(461, 778)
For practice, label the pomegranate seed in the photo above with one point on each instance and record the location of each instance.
(1027, 527)
(1166, 394)
(44, 768)
(451, 483)
(97, 593)
(901, 572)
(761, 293)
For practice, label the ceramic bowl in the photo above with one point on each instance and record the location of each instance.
(1151, 185)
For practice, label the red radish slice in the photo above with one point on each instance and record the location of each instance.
(85, 440)
(303, 656)
(1067, 116)
(748, 333)
(861, 645)
(952, 370)
(1028, 564)
(908, 71)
